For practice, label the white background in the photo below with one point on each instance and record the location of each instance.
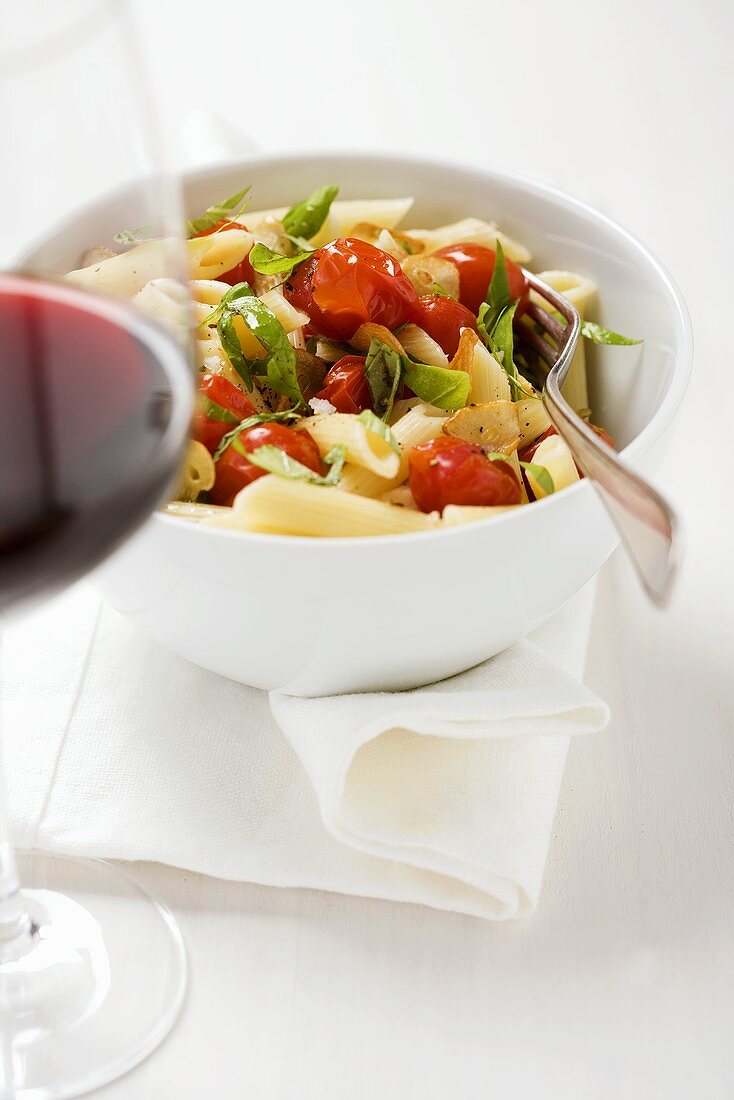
(622, 985)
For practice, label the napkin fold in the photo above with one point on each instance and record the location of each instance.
(444, 795)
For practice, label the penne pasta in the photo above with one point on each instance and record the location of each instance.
(555, 455)
(455, 515)
(278, 505)
(581, 293)
(471, 231)
(364, 448)
(124, 275)
(343, 216)
(197, 472)
(416, 427)
(212, 256)
(422, 347)
(166, 301)
(290, 318)
(488, 380)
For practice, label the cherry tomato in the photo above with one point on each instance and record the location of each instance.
(449, 471)
(443, 319)
(243, 272)
(475, 265)
(348, 282)
(345, 386)
(209, 429)
(234, 469)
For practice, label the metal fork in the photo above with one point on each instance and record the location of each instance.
(648, 527)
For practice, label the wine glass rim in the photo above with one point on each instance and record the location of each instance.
(63, 39)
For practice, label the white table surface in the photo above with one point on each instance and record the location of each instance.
(621, 986)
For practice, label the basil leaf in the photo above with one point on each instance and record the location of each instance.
(306, 218)
(383, 370)
(267, 262)
(216, 412)
(373, 424)
(250, 422)
(600, 335)
(275, 461)
(135, 236)
(439, 386)
(498, 292)
(498, 299)
(279, 362)
(502, 340)
(439, 291)
(221, 211)
(541, 475)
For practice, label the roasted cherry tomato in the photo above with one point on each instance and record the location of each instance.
(526, 455)
(475, 265)
(220, 406)
(243, 272)
(443, 319)
(234, 470)
(348, 282)
(449, 471)
(345, 385)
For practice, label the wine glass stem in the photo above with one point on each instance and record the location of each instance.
(16, 926)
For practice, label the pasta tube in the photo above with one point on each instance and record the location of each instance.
(454, 515)
(126, 274)
(473, 231)
(419, 345)
(343, 216)
(416, 427)
(278, 505)
(555, 455)
(488, 380)
(289, 317)
(167, 302)
(364, 448)
(197, 473)
(581, 293)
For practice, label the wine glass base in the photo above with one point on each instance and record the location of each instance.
(99, 986)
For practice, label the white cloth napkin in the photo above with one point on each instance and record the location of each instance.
(444, 796)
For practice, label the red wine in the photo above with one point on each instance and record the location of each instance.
(94, 411)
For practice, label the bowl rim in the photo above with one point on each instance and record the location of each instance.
(683, 361)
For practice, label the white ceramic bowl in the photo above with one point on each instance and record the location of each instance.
(316, 616)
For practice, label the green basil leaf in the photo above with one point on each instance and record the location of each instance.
(541, 475)
(216, 412)
(439, 386)
(373, 424)
(275, 461)
(600, 335)
(279, 362)
(498, 291)
(267, 262)
(250, 422)
(135, 236)
(383, 370)
(221, 211)
(503, 341)
(439, 291)
(306, 218)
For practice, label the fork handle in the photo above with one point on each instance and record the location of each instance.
(647, 525)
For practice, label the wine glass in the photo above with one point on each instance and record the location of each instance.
(95, 403)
